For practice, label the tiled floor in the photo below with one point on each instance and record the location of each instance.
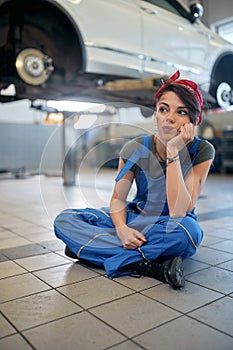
(49, 302)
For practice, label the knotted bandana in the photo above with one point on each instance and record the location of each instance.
(190, 85)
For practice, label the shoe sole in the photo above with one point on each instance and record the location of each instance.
(70, 254)
(176, 273)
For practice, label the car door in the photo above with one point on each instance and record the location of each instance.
(168, 40)
(202, 49)
(111, 32)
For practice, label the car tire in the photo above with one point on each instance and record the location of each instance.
(224, 95)
(45, 49)
(221, 87)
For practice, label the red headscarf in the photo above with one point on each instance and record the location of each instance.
(190, 85)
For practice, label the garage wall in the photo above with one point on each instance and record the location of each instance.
(25, 142)
(215, 10)
(24, 145)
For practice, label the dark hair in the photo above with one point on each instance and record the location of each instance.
(187, 97)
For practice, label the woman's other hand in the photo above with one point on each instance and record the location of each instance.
(130, 238)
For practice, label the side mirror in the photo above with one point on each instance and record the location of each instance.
(196, 11)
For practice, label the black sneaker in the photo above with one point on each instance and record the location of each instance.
(174, 272)
(69, 253)
(169, 271)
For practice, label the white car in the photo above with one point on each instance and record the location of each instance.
(108, 49)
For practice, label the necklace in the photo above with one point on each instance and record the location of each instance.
(160, 158)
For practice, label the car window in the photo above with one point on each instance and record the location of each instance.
(169, 5)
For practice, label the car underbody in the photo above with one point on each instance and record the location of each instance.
(42, 56)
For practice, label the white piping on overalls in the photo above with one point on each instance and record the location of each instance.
(90, 241)
(137, 206)
(86, 212)
(143, 255)
(104, 212)
(189, 235)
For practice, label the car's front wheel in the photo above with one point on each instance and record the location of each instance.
(33, 66)
(40, 51)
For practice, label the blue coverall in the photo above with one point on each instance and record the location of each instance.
(91, 235)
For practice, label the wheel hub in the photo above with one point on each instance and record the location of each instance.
(33, 66)
(224, 95)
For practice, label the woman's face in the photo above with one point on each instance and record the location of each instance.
(170, 115)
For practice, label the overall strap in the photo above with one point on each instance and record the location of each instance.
(194, 147)
(142, 152)
(146, 142)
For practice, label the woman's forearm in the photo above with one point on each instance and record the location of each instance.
(118, 212)
(178, 197)
(119, 198)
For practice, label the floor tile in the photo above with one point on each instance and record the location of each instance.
(65, 274)
(10, 268)
(225, 218)
(13, 222)
(94, 291)
(218, 314)
(13, 242)
(40, 237)
(40, 262)
(62, 253)
(23, 251)
(186, 299)
(34, 303)
(227, 265)
(100, 270)
(29, 229)
(80, 331)
(209, 240)
(128, 345)
(214, 278)
(5, 327)
(185, 334)
(218, 215)
(53, 244)
(226, 245)
(134, 314)
(37, 309)
(3, 257)
(211, 256)
(4, 218)
(137, 284)
(13, 342)
(191, 265)
(217, 229)
(6, 234)
(19, 286)
(207, 226)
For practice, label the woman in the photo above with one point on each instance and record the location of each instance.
(152, 234)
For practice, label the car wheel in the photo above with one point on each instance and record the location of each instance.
(43, 46)
(221, 87)
(224, 95)
(33, 66)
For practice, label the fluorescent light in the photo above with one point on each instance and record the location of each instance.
(74, 106)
